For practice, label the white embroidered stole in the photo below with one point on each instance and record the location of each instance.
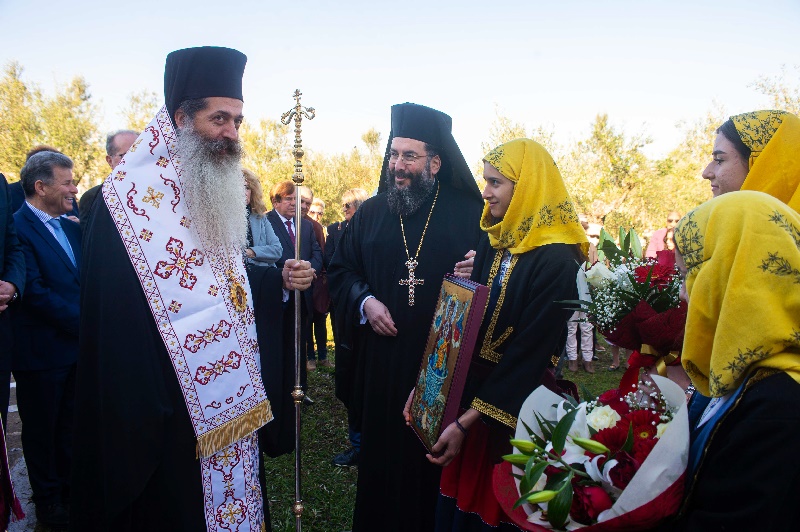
(201, 302)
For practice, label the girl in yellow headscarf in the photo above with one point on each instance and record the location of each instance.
(759, 150)
(740, 254)
(529, 258)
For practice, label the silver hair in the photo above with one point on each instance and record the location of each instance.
(40, 168)
(113, 135)
(213, 186)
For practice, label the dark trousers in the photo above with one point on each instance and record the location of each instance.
(5, 394)
(46, 400)
(320, 336)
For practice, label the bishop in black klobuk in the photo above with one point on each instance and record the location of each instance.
(424, 220)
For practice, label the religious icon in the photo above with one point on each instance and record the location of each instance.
(447, 357)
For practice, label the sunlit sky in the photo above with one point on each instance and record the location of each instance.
(647, 64)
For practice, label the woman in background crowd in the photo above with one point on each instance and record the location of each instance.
(263, 247)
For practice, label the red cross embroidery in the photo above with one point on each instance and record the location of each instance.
(162, 162)
(175, 306)
(120, 175)
(146, 235)
(180, 264)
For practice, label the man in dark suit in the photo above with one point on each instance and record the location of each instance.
(12, 282)
(284, 207)
(46, 325)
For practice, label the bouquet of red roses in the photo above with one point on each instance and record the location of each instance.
(613, 463)
(635, 301)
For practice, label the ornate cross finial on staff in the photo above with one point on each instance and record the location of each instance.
(297, 113)
(298, 395)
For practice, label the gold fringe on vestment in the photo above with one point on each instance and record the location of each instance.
(217, 439)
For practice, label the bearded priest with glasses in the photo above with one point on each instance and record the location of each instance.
(385, 279)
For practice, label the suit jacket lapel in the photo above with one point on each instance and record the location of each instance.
(283, 234)
(48, 237)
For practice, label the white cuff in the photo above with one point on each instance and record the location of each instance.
(361, 309)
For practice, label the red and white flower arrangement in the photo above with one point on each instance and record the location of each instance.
(613, 463)
(635, 302)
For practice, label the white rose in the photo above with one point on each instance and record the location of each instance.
(661, 428)
(602, 417)
(598, 274)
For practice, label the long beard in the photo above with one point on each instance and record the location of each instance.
(406, 201)
(213, 187)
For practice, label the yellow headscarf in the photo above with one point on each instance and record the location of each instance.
(541, 211)
(774, 140)
(742, 252)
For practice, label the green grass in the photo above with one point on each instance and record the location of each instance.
(328, 491)
(602, 379)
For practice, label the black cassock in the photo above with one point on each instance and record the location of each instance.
(134, 464)
(397, 486)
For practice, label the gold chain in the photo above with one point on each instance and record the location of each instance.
(403, 229)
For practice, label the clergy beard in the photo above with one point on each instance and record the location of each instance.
(406, 201)
(213, 187)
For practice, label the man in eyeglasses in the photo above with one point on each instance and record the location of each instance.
(385, 279)
(657, 241)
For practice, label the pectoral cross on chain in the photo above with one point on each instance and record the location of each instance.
(412, 281)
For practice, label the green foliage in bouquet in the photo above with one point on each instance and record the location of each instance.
(558, 491)
(630, 247)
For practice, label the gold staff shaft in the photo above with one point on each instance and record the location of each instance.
(297, 113)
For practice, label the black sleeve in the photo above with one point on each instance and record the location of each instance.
(346, 280)
(330, 245)
(750, 476)
(12, 270)
(538, 334)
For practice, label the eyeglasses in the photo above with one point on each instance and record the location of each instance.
(346, 206)
(408, 157)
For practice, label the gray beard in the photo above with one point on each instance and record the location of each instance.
(406, 201)
(213, 187)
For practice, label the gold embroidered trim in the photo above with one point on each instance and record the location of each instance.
(234, 430)
(492, 411)
(489, 347)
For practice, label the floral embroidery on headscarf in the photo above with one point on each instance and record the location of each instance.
(688, 241)
(774, 140)
(495, 156)
(742, 252)
(539, 189)
(757, 128)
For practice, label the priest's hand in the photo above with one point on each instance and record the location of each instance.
(463, 269)
(379, 317)
(297, 274)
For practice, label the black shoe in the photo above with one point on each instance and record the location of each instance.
(349, 458)
(54, 515)
(308, 401)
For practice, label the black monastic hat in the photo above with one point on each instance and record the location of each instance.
(433, 127)
(202, 72)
